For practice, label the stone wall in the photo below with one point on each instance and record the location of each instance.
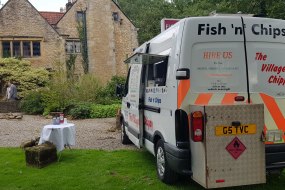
(109, 41)
(9, 106)
(125, 40)
(19, 20)
(68, 26)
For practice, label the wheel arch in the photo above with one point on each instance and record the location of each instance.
(156, 137)
(122, 119)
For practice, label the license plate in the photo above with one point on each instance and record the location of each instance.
(236, 130)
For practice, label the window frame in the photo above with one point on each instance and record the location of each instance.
(81, 17)
(21, 48)
(74, 45)
(116, 16)
(150, 60)
(39, 54)
(29, 54)
(8, 49)
(16, 46)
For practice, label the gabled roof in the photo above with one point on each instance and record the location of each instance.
(52, 17)
(115, 2)
(35, 10)
(66, 12)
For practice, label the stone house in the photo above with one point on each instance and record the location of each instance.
(96, 33)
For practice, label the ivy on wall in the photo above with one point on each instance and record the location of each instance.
(82, 31)
(70, 65)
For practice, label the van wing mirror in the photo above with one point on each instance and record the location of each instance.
(120, 90)
(183, 74)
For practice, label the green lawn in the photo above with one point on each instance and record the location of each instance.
(94, 169)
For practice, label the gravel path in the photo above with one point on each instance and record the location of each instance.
(90, 133)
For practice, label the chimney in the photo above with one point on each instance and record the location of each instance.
(61, 10)
(68, 5)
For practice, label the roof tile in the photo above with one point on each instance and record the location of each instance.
(52, 17)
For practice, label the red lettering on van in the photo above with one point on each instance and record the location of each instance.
(211, 55)
(259, 56)
(134, 119)
(148, 123)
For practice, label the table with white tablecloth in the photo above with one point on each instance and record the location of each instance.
(60, 135)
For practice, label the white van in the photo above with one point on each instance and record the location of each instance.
(207, 98)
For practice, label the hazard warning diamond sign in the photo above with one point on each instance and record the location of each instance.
(235, 148)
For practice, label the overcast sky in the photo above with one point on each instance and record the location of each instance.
(45, 5)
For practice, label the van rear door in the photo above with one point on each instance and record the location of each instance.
(265, 40)
(227, 62)
(213, 48)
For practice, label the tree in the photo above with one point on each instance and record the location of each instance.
(147, 14)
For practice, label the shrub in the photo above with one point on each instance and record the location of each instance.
(62, 93)
(32, 103)
(80, 111)
(105, 100)
(59, 93)
(88, 110)
(52, 101)
(25, 77)
(110, 89)
(104, 111)
(87, 89)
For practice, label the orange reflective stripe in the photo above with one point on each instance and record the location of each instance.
(229, 98)
(274, 111)
(183, 88)
(204, 98)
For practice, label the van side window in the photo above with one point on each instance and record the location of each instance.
(127, 83)
(150, 77)
(156, 73)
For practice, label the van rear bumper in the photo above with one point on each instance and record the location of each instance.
(275, 156)
(178, 159)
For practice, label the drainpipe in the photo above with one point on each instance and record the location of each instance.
(85, 44)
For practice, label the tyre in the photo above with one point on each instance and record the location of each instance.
(164, 172)
(124, 138)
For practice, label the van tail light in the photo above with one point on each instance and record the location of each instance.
(197, 125)
(239, 98)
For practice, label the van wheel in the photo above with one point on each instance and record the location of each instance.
(124, 138)
(164, 172)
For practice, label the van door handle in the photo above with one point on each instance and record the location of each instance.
(128, 104)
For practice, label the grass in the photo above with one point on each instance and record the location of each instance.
(95, 169)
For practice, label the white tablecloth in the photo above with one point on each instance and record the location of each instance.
(59, 135)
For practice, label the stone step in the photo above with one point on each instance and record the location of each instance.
(9, 106)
